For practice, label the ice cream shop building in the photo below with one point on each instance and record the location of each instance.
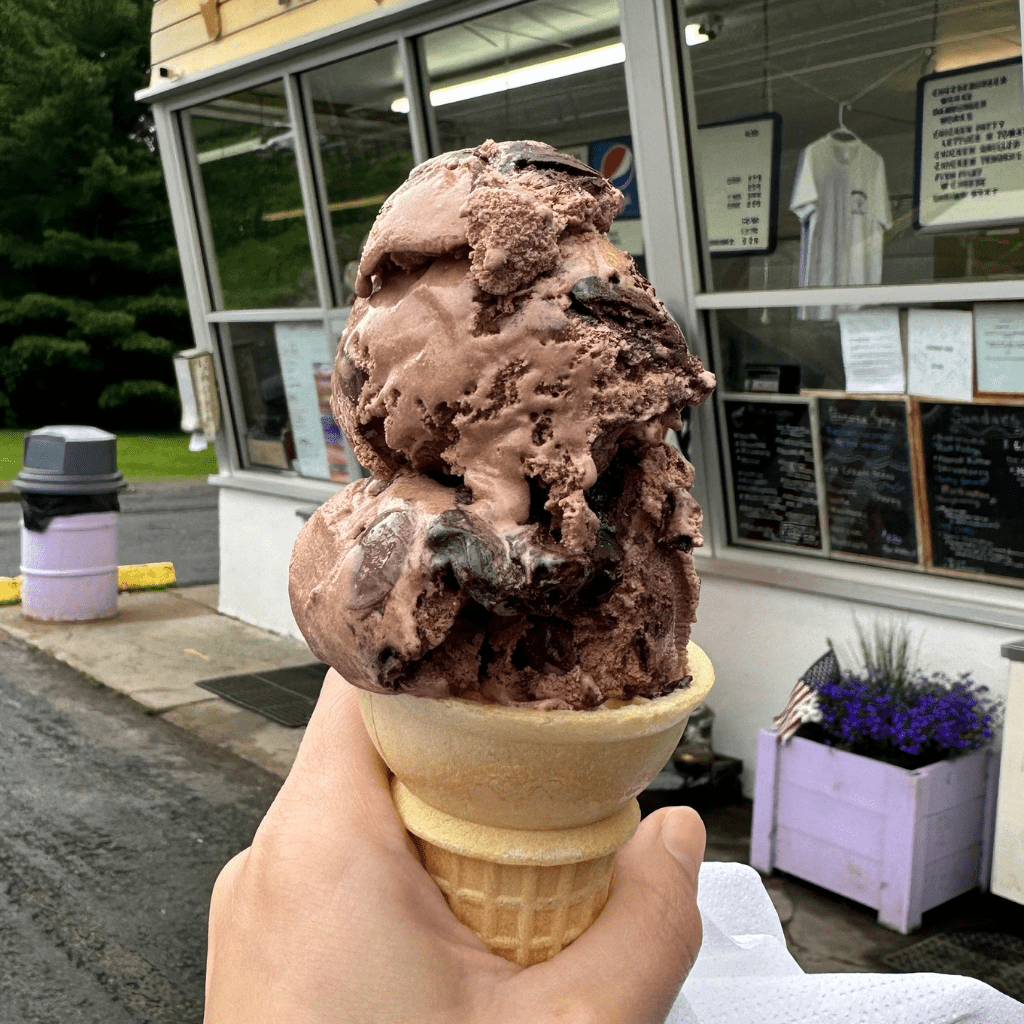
(829, 199)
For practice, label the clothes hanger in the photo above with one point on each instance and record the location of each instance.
(842, 133)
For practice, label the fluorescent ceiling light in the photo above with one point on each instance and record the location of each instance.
(695, 34)
(560, 67)
(274, 145)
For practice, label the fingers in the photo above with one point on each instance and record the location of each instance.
(633, 959)
(338, 786)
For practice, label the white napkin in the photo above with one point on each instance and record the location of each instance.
(745, 974)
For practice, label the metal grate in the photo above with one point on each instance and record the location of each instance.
(284, 695)
(992, 957)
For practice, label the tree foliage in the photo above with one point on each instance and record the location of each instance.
(91, 302)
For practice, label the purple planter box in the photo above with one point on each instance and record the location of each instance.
(899, 841)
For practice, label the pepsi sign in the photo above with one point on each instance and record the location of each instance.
(614, 159)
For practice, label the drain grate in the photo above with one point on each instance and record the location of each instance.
(284, 695)
(992, 957)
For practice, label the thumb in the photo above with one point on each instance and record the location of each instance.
(633, 959)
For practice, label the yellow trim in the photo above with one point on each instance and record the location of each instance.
(10, 589)
(145, 577)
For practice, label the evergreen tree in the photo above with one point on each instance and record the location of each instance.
(91, 302)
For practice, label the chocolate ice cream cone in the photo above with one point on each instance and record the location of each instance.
(517, 813)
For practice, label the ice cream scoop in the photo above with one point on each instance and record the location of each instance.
(508, 377)
(513, 588)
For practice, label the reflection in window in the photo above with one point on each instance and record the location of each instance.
(480, 76)
(267, 440)
(844, 79)
(544, 70)
(246, 153)
(365, 148)
(774, 350)
(283, 376)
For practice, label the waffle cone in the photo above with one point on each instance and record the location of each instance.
(526, 893)
(517, 813)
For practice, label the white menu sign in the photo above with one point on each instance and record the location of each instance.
(300, 348)
(970, 148)
(739, 184)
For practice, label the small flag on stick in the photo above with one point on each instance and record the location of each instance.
(803, 701)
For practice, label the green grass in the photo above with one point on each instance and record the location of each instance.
(139, 456)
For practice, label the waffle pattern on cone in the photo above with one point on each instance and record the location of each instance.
(525, 913)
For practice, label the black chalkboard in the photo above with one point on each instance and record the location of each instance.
(974, 474)
(869, 483)
(771, 455)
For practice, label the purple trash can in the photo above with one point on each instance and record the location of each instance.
(69, 485)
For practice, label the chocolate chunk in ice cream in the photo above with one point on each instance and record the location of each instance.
(508, 377)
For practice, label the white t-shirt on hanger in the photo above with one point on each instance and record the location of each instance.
(842, 200)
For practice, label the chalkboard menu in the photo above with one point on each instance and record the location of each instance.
(974, 474)
(771, 453)
(869, 485)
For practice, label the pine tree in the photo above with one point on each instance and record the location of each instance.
(91, 302)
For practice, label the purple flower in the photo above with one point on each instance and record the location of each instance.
(921, 720)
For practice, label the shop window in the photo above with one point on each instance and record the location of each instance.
(862, 145)
(544, 70)
(246, 150)
(282, 381)
(365, 150)
(894, 437)
(900, 148)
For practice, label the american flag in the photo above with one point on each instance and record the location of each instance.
(804, 699)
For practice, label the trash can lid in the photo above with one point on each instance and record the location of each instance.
(70, 460)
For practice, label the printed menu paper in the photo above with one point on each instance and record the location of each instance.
(939, 353)
(300, 348)
(872, 353)
(999, 346)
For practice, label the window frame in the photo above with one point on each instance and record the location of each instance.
(662, 118)
(901, 588)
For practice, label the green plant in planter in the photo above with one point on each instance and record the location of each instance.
(892, 711)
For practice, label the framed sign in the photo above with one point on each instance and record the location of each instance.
(739, 182)
(773, 476)
(974, 478)
(869, 484)
(969, 157)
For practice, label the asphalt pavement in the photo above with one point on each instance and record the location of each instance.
(161, 521)
(126, 787)
(113, 827)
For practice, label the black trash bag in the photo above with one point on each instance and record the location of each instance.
(38, 509)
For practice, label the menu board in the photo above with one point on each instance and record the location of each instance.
(869, 485)
(739, 183)
(774, 486)
(969, 159)
(305, 355)
(974, 476)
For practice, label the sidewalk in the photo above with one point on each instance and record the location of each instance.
(163, 642)
(156, 650)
